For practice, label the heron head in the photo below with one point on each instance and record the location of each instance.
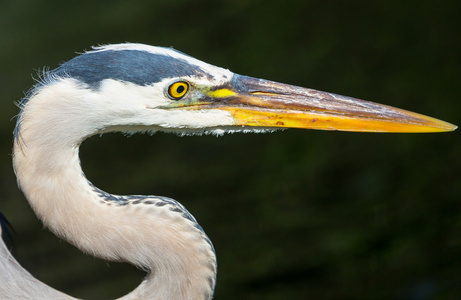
(133, 87)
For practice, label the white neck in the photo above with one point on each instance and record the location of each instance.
(153, 233)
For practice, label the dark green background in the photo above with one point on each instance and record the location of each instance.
(295, 214)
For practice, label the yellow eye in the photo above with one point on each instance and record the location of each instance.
(178, 89)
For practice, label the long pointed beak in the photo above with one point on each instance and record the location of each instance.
(263, 103)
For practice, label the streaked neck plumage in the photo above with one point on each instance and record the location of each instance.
(153, 233)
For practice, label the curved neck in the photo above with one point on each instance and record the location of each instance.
(153, 233)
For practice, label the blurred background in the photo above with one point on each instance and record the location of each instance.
(295, 214)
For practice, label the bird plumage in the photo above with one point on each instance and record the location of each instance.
(139, 88)
(70, 105)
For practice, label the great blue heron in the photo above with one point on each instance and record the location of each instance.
(133, 88)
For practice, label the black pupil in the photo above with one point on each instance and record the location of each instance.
(180, 89)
